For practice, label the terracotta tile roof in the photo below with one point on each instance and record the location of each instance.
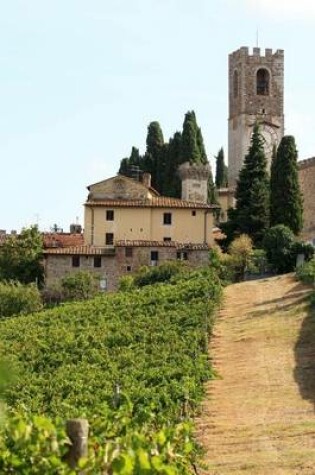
(84, 250)
(155, 202)
(57, 240)
(92, 250)
(175, 244)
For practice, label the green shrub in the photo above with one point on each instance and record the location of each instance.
(126, 283)
(306, 273)
(80, 285)
(35, 445)
(162, 273)
(282, 249)
(16, 299)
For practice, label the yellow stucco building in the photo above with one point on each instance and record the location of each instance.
(127, 224)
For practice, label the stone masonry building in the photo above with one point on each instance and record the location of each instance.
(128, 225)
(307, 183)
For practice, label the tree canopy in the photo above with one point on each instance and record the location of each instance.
(162, 159)
(221, 178)
(21, 257)
(251, 215)
(286, 205)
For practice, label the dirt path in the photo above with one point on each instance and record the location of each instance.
(259, 417)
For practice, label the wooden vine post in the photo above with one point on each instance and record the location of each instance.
(78, 433)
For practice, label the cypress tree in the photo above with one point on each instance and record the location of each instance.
(221, 170)
(172, 183)
(127, 165)
(190, 147)
(201, 147)
(153, 154)
(286, 204)
(252, 192)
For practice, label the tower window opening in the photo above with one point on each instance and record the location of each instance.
(235, 84)
(262, 82)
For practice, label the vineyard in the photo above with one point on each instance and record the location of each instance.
(133, 363)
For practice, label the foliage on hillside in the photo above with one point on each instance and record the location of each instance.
(16, 299)
(306, 273)
(147, 346)
(33, 445)
(21, 257)
(282, 248)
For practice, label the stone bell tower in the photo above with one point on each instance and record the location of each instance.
(255, 94)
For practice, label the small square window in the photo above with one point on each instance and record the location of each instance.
(167, 218)
(97, 261)
(75, 261)
(110, 215)
(182, 255)
(128, 268)
(193, 213)
(154, 256)
(167, 239)
(128, 251)
(109, 239)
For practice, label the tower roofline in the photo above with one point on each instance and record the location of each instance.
(256, 52)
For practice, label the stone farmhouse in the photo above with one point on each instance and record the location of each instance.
(127, 224)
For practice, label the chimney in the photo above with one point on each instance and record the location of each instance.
(146, 179)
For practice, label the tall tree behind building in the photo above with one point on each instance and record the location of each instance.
(154, 158)
(172, 184)
(129, 165)
(163, 159)
(221, 179)
(286, 204)
(251, 215)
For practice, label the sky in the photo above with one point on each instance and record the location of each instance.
(80, 81)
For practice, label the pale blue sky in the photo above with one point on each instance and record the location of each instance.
(81, 80)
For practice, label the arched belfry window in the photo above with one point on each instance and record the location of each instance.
(262, 82)
(235, 83)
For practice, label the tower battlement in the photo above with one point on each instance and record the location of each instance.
(244, 51)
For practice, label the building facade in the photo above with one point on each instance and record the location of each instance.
(128, 225)
(307, 184)
(256, 90)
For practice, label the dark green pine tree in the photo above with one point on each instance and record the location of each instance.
(252, 192)
(131, 165)
(201, 147)
(286, 203)
(172, 183)
(155, 154)
(221, 180)
(190, 147)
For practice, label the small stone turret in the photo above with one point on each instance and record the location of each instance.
(194, 179)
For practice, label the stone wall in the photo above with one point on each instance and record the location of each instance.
(307, 183)
(115, 266)
(59, 265)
